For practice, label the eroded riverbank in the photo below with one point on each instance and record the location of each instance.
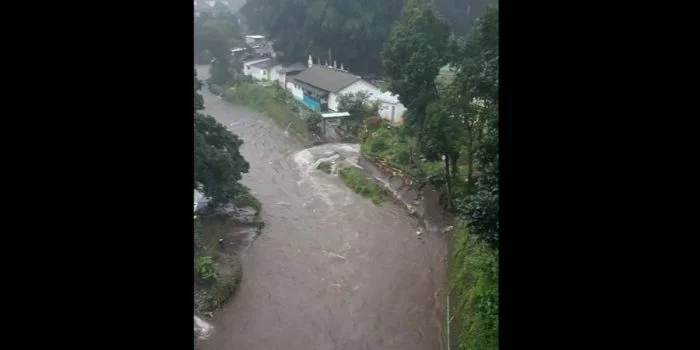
(331, 270)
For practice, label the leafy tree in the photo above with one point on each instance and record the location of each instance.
(462, 14)
(417, 48)
(354, 31)
(214, 36)
(360, 108)
(412, 58)
(478, 78)
(218, 164)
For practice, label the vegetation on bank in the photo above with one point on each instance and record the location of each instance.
(218, 286)
(273, 101)
(218, 168)
(450, 140)
(473, 285)
(361, 183)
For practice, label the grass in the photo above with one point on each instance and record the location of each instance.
(220, 287)
(325, 167)
(226, 285)
(473, 285)
(274, 102)
(361, 184)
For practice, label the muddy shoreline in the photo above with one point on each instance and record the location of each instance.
(421, 203)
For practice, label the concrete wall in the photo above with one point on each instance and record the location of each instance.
(385, 111)
(297, 93)
(273, 74)
(251, 71)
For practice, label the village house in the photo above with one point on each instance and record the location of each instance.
(320, 87)
(262, 69)
(288, 72)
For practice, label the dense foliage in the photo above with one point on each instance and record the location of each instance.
(360, 109)
(453, 121)
(354, 31)
(351, 31)
(218, 164)
(214, 35)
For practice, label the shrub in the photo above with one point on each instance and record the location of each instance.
(246, 199)
(206, 267)
(361, 184)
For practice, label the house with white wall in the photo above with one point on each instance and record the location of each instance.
(320, 87)
(263, 69)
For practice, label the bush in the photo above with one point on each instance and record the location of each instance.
(312, 124)
(378, 145)
(361, 184)
(206, 267)
(227, 285)
(246, 199)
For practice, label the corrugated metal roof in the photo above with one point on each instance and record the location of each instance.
(327, 79)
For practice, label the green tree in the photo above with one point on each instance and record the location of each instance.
(214, 36)
(360, 108)
(417, 48)
(218, 164)
(412, 58)
(350, 31)
(478, 79)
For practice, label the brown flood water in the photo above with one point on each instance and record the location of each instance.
(330, 270)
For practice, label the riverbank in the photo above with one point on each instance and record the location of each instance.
(276, 103)
(472, 298)
(219, 237)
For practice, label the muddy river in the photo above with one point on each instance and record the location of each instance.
(330, 270)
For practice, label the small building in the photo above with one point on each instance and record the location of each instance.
(390, 108)
(266, 70)
(262, 69)
(320, 87)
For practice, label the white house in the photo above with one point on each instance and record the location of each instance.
(320, 87)
(263, 69)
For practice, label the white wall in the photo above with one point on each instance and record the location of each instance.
(258, 73)
(374, 94)
(297, 93)
(385, 111)
(273, 74)
(355, 87)
(254, 72)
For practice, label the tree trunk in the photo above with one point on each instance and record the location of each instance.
(448, 187)
(470, 168)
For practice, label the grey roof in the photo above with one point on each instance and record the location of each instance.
(331, 80)
(265, 64)
(294, 67)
